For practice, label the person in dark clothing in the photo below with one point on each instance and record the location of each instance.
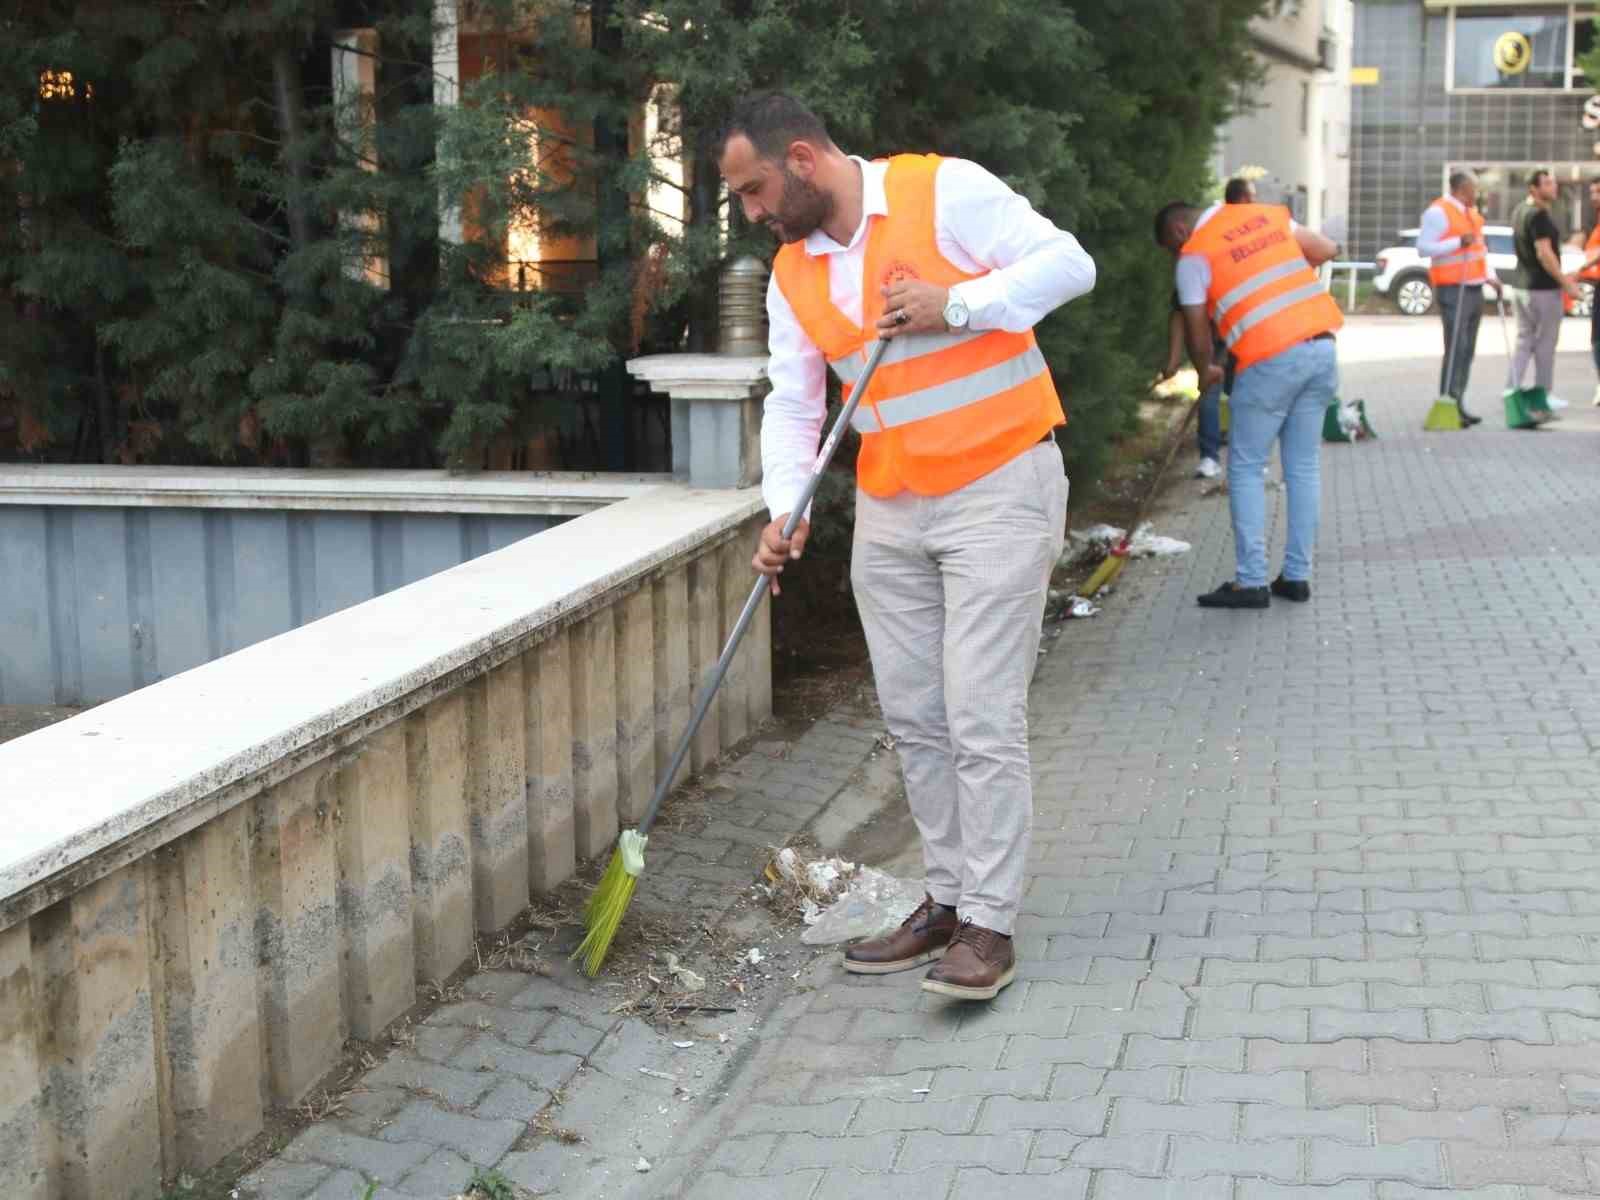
(1209, 420)
(1539, 308)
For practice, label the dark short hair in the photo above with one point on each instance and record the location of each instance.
(1165, 217)
(773, 121)
(1538, 177)
(1457, 178)
(1237, 191)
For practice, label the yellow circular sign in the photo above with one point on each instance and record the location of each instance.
(1512, 53)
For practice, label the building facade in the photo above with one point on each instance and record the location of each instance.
(1496, 88)
(1293, 140)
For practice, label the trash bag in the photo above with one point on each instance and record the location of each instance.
(873, 904)
(1346, 421)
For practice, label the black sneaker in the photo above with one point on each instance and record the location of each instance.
(1291, 589)
(1231, 595)
(1468, 420)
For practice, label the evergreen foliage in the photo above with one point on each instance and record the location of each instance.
(210, 251)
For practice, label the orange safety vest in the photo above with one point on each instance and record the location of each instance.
(1264, 297)
(943, 409)
(1468, 265)
(1589, 248)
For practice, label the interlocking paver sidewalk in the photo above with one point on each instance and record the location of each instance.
(1313, 905)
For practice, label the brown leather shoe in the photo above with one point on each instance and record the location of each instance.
(977, 964)
(921, 938)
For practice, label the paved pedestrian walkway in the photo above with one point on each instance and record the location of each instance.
(1313, 908)
(1314, 905)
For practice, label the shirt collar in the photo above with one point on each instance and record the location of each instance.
(874, 203)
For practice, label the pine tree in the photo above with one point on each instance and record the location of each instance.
(213, 251)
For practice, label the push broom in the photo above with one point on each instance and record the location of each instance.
(1446, 413)
(609, 904)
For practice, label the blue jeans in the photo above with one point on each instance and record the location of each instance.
(1280, 399)
(1211, 422)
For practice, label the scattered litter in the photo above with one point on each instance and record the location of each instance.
(1068, 606)
(658, 1074)
(683, 977)
(683, 1045)
(724, 1038)
(884, 741)
(753, 956)
(642, 1165)
(1143, 543)
(874, 903)
(920, 1091)
(809, 886)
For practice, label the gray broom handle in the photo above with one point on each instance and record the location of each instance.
(708, 692)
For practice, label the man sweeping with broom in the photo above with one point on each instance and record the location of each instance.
(961, 507)
(1451, 237)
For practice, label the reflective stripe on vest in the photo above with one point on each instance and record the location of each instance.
(1253, 284)
(901, 349)
(948, 397)
(1275, 305)
(1465, 264)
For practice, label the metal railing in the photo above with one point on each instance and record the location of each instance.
(1352, 270)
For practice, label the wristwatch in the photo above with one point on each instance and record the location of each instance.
(956, 314)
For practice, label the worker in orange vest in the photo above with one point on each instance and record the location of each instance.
(961, 495)
(1591, 272)
(1450, 236)
(1247, 269)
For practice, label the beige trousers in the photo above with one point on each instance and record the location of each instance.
(951, 591)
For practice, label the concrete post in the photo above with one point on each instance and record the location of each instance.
(716, 413)
(497, 787)
(23, 1161)
(98, 1044)
(441, 855)
(670, 634)
(374, 849)
(297, 941)
(705, 644)
(207, 1017)
(594, 733)
(547, 680)
(759, 641)
(737, 578)
(635, 698)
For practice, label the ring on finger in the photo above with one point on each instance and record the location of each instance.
(901, 316)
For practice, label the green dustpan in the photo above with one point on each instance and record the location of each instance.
(1523, 405)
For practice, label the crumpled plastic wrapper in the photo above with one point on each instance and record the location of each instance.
(683, 977)
(1066, 606)
(874, 903)
(1143, 544)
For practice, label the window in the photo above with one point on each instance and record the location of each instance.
(1520, 49)
(1499, 243)
(1513, 50)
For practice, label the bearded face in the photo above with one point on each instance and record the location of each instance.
(801, 210)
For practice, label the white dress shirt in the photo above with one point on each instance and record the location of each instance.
(980, 224)
(1434, 237)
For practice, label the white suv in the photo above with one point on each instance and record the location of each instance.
(1403, 273)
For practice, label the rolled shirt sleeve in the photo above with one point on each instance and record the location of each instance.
(1033, 267)
(1431, 236)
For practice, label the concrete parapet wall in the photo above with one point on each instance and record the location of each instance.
(208, 885)
(119, 577)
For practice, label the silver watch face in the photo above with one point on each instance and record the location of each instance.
(955, 313)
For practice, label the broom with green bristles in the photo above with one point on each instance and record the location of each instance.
(610, 901)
